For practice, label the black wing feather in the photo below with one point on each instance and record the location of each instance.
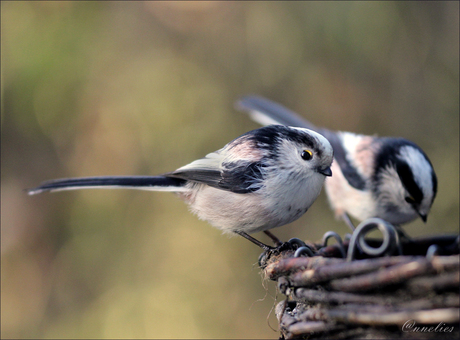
(244, 177)
(340, 156)
(240, 177)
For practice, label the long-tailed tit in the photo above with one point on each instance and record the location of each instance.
(263, 179)
(390, 178)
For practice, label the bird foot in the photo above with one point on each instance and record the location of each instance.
(290, 246)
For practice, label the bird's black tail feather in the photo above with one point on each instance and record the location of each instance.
(155, 183)
(267, 112)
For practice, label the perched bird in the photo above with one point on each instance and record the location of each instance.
(263, 179)
(385, 177)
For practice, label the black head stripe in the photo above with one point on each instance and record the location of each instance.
(268, 138)
(435, 185)
(301, 138)
(388, 156)
(407, 179)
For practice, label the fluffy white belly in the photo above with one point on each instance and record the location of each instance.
(252, 212)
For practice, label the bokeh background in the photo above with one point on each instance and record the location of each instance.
(141, 88)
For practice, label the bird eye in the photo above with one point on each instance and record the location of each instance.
(306, 155)
(410, 200)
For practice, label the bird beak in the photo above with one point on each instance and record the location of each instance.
(325, 171)
(423, 217)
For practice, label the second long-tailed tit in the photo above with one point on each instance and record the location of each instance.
(385, 177)
(263, 179)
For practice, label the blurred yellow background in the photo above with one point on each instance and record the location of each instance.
(142, 88)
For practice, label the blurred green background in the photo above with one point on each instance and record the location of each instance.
(142, 88)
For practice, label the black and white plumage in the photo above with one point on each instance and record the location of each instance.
(263, 179)
(389, 178)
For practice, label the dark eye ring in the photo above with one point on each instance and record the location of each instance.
(306, 155)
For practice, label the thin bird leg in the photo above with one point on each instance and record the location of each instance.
(275, 239)
(253, 240)
(347, 220)
(403, 236)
